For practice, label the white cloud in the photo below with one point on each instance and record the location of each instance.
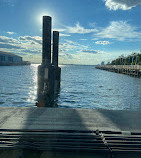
(30, 48)
(9, 2)
(66, 56)
(9, 43)
(92, 51)
(62, 34)
(102, 42)
(11, 33)
(59, 29)
(34, 39)
(83, 39)
(76, 29)
(25, 46)
(92, 24)
(79, 29)
(69, 46)
(86, 58)
(77, 44)
(5, 39)
(95, 39)
(119, 30)
(122, 4)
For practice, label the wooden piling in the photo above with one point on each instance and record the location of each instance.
(46, 38)
(49, 74)
(55, 61)
(55, 48)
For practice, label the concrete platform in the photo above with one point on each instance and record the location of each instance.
(79, 133)
(69, 119)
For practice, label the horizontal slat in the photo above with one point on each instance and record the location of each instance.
(50, 135)
(52, 139)
(126, 149)
(125, 145)
(44, 130)
(121, 136)
(70, 140)
(55, 148)
(123, 142)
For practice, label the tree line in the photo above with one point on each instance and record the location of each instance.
(133, 59)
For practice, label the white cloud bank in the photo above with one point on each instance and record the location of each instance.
(27, 46)
(64, 35)
(30, 46)
(92, 51)
(11, 33)
(79, 29)
(33, 39)
(122, 4)
(119, 30)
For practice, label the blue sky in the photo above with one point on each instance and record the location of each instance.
(91, 31)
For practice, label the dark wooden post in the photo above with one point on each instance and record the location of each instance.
(55, 61)
(48, 74)
(55, 48)
(44, 72)
(46, 38)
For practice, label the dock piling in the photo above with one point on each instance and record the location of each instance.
(55, 48)
(48, 73)
(55, 60)
(46, 38)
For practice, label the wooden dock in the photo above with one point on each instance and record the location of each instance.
(59, 132)
(132, 70)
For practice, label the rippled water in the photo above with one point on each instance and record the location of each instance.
(81, 87)
(18, 85)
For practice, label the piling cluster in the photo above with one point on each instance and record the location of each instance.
(132, 70)
(49, 74)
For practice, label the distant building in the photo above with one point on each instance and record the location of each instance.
(11, 59)
(102, 63)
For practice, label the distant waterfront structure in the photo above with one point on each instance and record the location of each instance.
(102, 63)
(9, 59)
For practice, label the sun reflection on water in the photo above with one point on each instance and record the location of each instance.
(32, 93)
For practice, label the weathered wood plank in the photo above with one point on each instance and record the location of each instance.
(69, 119)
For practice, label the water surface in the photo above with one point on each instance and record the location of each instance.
(81, 87)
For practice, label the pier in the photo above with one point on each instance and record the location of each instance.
(132, 70)
(59, 132)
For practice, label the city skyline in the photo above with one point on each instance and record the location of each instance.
(90, 31)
